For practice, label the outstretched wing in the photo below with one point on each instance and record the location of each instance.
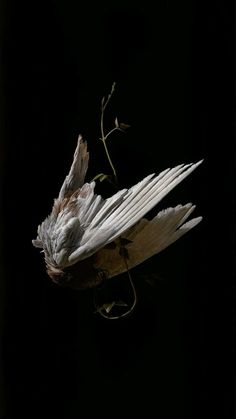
(73, 181)
(81, 222)
(147, 238)
(113, 217)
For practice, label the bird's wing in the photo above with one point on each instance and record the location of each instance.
(146, 239)
(76, 176)
(112, 217)
(81, 222)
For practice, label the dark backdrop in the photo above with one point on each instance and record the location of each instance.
(172, 64)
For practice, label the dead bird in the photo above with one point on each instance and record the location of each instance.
(87, 239)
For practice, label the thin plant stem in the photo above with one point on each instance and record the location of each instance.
(103, 139)
(103, 136)
(130, 310)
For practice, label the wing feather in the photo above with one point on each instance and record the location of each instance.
(148, 238)
(76, 176)
(120, 212)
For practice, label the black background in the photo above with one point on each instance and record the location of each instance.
(172, 62)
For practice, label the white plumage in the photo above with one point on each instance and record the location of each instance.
(83, 224)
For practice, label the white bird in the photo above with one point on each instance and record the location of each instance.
(87, 239)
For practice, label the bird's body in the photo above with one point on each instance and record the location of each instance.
(87, 239)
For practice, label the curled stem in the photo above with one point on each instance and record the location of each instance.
(131, 309)
(124, 255)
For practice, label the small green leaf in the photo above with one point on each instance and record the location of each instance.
(106, 306)
(103, 101)
(121, 303)
(109, 306)
(123, 126)
(101, 177)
